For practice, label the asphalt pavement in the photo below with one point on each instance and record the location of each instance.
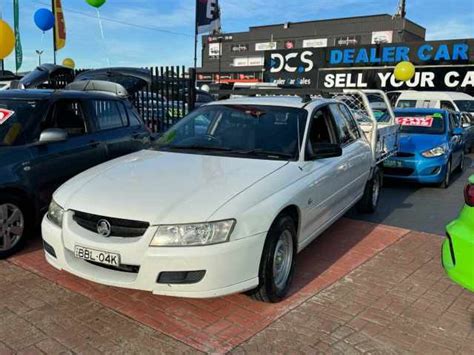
(418, 207)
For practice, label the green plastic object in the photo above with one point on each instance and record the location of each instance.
(458, 248)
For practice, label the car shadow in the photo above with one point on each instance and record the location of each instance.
(334, 254)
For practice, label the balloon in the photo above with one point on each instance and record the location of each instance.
(404, 71)
(7, 39)
(96, 3)
(44, 19)
(69, 63)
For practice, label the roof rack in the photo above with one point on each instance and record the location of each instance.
(225, 91)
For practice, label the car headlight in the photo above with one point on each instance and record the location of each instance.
(435, 152)
(193, 234)
(55, 213)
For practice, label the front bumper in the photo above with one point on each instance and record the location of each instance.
(458, 251)
(230, 267)
(417, 169)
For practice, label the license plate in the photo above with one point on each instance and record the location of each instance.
(97, 256)
(392, 164)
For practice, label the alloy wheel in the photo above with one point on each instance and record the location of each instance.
(282, 259)
(12, 226)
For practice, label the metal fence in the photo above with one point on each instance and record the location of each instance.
(169, 97)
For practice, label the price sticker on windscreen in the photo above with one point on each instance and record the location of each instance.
(426, 121)
(5, 115)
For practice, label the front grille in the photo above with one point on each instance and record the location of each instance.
(132, 269)
(122, 228)
(405, 155)
(398, 171)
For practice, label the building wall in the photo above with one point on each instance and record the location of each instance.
(336, 31)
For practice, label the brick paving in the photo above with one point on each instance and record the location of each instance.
(219, 325)
(359, 288)
(38, 316)
(398, 302)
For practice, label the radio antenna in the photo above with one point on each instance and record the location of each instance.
(401, 9)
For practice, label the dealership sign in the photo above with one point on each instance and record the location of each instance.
(429, 78)
(441, 65)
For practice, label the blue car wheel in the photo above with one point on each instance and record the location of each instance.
(447, 176)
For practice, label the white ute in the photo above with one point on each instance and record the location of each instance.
(225, 200)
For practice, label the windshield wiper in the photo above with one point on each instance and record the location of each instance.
(262, 152)
(196, 147)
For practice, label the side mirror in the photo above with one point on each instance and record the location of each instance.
(52, 135)
(324, 151)
(458, 131)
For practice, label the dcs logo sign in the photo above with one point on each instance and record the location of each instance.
(280, 62)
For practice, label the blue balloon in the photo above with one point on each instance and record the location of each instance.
(44, 19)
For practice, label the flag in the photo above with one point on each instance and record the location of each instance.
(18, 48)
(59, 26)
(208, 16)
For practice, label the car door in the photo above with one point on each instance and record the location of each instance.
(356, 151)
(325, 178)
(111, 125)
(55, 162)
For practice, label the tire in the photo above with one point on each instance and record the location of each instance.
(370, 199)
(13, 233)
(280, 242)
(447, 177)
(461, 164)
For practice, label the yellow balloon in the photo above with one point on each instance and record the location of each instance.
(69, 63)
(404, 71)
(7, 39)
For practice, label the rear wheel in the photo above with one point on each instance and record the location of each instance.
(278, 261)
(370, 199)
(14, 227)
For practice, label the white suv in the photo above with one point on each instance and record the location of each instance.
(222, 204)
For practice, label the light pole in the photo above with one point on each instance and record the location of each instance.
(40, 53)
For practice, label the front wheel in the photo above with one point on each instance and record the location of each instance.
(278, 261)
(370, 199)
(447, 176)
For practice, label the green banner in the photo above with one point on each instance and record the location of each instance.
(18, 49)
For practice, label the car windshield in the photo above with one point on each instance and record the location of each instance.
(465, 105)
(18, 119)
(421, 123)
(253, 131)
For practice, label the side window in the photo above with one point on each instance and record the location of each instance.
(322, 128)
(453, 121)
(446, 105)
(67, 115)
(353, 126)
(135, 119)
(342, 127)
(107, 114)
(123, 113)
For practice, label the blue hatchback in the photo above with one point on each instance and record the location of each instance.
(431, 147)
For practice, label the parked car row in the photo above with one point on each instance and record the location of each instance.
(224, 201)
(47, 137)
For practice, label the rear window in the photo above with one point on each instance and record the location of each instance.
(406, 103)
(421, 123)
